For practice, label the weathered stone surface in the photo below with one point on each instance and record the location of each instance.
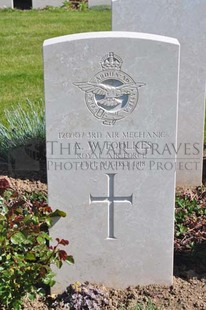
(92, 3)
(111, 109)
(184, 20)
(39, 4)
(6, 4)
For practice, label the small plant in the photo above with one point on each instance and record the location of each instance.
(83, 296)
(25, 256)
(67, 5)
(80, 5)
(23, 127)
(83, 6)
(190, 220)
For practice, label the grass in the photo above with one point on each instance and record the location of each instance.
(22, 34)
(21, 37)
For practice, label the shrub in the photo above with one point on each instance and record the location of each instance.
(24, 126)
(190, 219)
(80, 5)
(25, 257)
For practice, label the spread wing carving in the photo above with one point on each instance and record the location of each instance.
(97, 89)
(108, 90)
(126, 89)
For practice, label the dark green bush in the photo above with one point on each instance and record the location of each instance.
(25, 257)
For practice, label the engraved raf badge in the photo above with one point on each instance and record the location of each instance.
(112, 94)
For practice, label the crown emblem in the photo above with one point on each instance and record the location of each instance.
(111, 94)
(111, 61)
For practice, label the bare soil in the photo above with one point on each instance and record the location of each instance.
(185, 294)
(188, 291)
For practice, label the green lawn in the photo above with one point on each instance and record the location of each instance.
(21, 37)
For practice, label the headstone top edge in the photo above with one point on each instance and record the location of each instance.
(111, 34)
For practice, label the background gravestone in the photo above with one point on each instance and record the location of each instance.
(184, 20)
(29, 4)
(39, 4)
(106, 93)
(6, 4)
(92, 3)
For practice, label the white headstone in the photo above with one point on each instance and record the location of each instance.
(6, 4)
(184, 20)
(39, 4)
(92, 3)
(106, 93)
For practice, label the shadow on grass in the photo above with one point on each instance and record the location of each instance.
(26, 162)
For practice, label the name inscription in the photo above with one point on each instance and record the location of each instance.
(115, 151)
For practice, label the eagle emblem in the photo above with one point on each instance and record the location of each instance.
(112, 94)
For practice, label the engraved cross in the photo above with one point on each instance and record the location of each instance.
(110, 200)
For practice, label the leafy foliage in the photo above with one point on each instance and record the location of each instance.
(80, 5)
(190, 218)
(25, 257)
